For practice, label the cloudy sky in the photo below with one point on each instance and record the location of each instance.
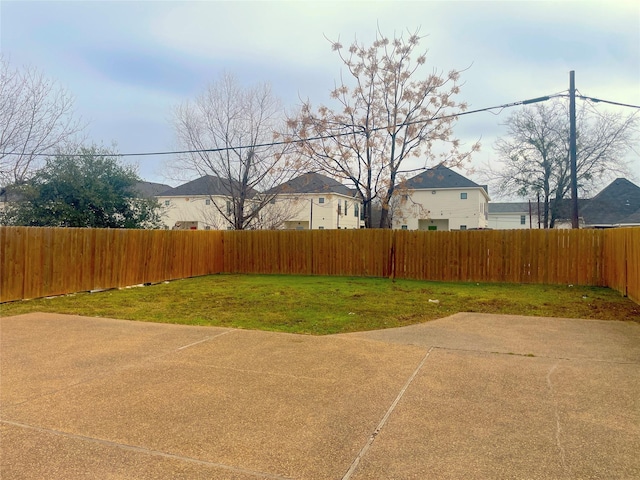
(129, 63)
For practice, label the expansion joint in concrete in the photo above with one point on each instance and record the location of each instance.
(385, 418)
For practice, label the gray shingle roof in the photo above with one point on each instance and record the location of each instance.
(440, 177)
(509, 207)
(207, 185)
(615, 203)
(312, 183)
(150, 189)
(633, 219)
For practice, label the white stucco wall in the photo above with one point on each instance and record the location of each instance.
(294, 210)
(193, 209)
(320, 211)
(442, 208)
(511, 221)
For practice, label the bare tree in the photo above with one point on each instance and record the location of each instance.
(36, 118)
(237, 134)
(534, 158)
(386, 111)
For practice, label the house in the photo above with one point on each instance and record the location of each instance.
(316, 202)
(512, 215)
(440, 199)
(196, 205)
(516, 215)
(617, 205)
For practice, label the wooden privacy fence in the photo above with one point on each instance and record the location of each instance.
(621, 259)
(37, 262)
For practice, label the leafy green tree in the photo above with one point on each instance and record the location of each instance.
(87, 189)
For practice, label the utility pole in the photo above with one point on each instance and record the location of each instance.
(572, 150)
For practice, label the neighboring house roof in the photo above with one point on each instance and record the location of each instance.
(311, 183)
(150, 189)
(509, 207)
(615, 204)
(208, 185)
(565, 208)
(633, 219)
(440, 177)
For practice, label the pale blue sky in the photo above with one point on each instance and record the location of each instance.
(129, 63)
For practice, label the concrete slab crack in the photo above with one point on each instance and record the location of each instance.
(147, 451)
(559, 445)
(372, 437)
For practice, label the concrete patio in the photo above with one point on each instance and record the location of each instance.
(468, 396)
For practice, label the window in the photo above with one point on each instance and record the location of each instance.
(167, 203)
(207, 201)
(404, 227)
(523, 219)
(463, 196)
(228, 207)
(463, 227)
(356, 210)
(346, 208)
(321, 200)
(432, 227)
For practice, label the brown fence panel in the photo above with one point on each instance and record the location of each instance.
(517, 256)
(621, 261)
(13, 245)
(39, 262)
(615, 260)
(633, 264)
(266, 252)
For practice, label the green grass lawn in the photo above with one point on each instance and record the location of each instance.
(324, 305)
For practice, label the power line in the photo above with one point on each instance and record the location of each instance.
(302, 140)
(598, 100)
(335, 135)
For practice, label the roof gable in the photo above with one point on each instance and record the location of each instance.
(440, 177)
(208, 185)
(150, 189)
(312, 183)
